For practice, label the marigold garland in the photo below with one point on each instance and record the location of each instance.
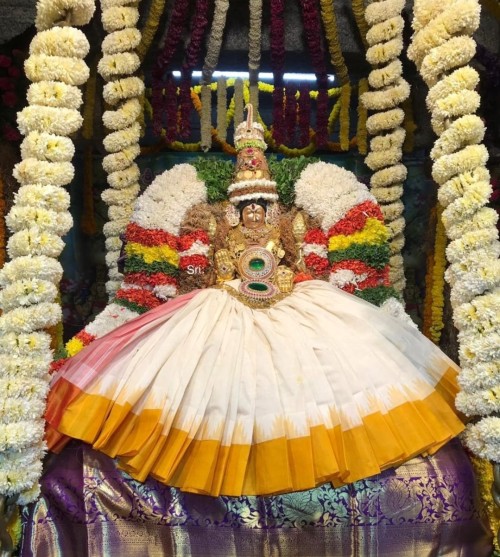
(361, 132)
(331, 31)
(150, 27)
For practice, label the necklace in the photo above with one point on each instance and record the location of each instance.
(255, 234)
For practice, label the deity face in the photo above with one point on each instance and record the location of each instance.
(253, 216)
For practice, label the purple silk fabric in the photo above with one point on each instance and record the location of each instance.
(88, 507)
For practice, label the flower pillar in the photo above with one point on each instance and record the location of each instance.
(37, 221)
(122, 93)
(442, 46)
(389, 90)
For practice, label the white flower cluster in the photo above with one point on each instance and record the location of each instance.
(37, 220)
(164, 204)
(389, 90)
(118, 63)
(327, 192)
(442, 46)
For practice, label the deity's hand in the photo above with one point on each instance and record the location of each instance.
(224, 265)
(284, 279)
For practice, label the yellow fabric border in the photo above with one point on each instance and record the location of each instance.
(274, 466)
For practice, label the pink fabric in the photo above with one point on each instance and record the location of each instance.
(87, 364)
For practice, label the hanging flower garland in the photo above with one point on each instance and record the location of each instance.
(150, 27)
(122, 92)
(434, 282)
(278, 67)
(362, 117)
(254, 46)
(197, 34)
(209, 65)
(389, 90)
(442, 46)
(311, 18)
(2, 223)
(37, 221)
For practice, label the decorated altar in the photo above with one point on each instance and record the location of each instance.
(140, 218)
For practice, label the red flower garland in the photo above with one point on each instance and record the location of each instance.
(84, 337)
(318, 264)
(278, 65)
(140, 297)
(313, 32)
(355, 219)
(155, 279)
(374, 277)
(187, 240)
(302, 277)
(174, 33)
(315, 236)
(199, 261)
(198, 27)
(152, 237)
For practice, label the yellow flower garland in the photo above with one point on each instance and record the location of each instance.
(330, 25)
(2, 223)
(345, 103)
(435, 301)
(361, 132)
(358, 9)
(150, 27)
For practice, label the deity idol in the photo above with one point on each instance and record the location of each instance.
(252, 375)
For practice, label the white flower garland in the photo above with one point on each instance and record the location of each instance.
(55, 94)
(385, 39)
(119, 61)
(441, 48)
(37, 220)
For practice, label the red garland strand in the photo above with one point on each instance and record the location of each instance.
(170, 109)
(278, 66)
(150, 237)
(313, 32)
(355, 219)
(290, 114)
(187, 240)
(197, 32)
(304, 116)
(174, 34)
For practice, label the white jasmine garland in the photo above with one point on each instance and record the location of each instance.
(19, 472)
(45, 219)
(60, 41)
(46, 197)
(125, 196)
(114, 243)
(197, 248)
(124, 178)
(121, 159)
(111, 228)
(483, 438)
(317, 249)
(33, 171)
(165, 291)
(466, 160)
(385, 30)
(47, 147)
(377, 12)
(121, 139)
(119, 17)
(72, 71)
(456, 104)
(105, 4)
(55, 94)
(454, 53)
(112, 65)
(109, 319)
(456, 185)
(121, 41)
(27, 267)
(387, 194)
(383, 121)
(384, 52)
(482, 376)
(386, 75)
(466, 130)
(28, 320)
(35, 344)
(376, 160)
(164, 204)
(121, 89)
(119, 212)
(471, 241)
(473, 199)
(328, 192)
(388, 97)
(51, 12)
(394, 139)
(28, 367)
(124, 116)
(464, 78)
(58, 121)
(20, 435)
(33, 241)
(479, 313)
(395, 174)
